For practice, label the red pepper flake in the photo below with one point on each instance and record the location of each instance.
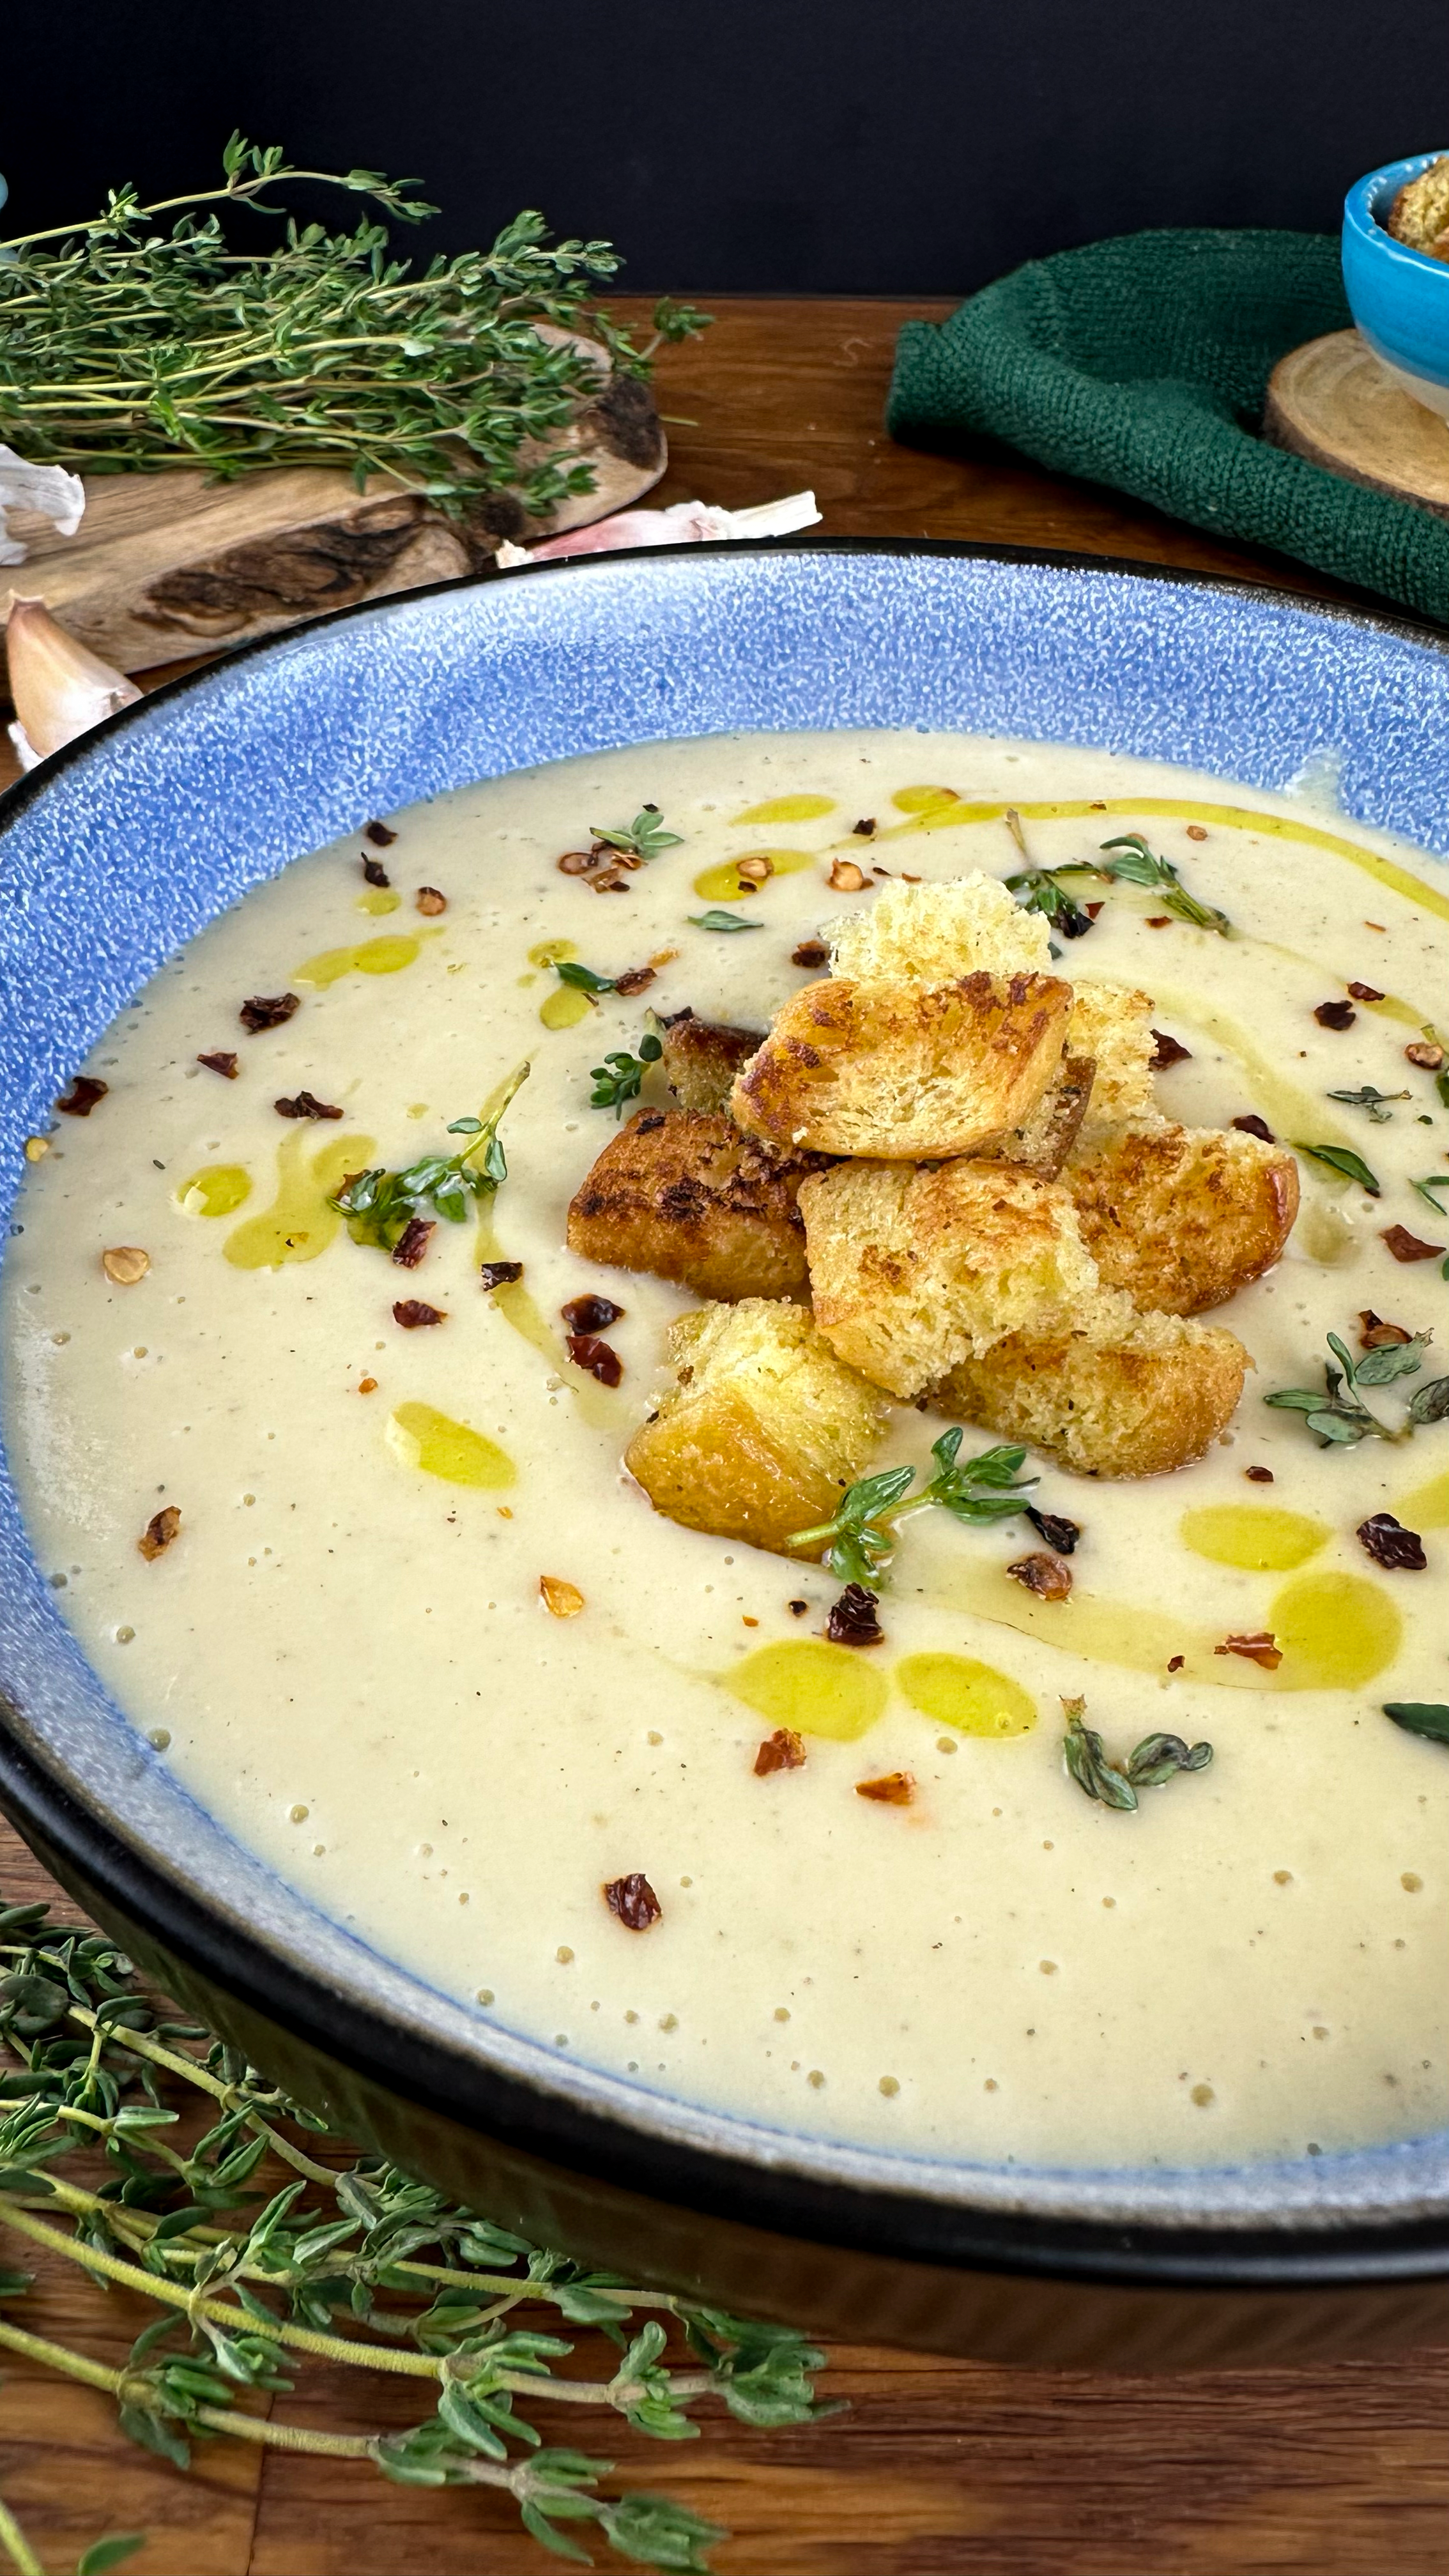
(268, 1010)
(811, 952)
(500, 1274)
(1261, 1648)
(782, 1751)
(367, 1386)
(1159, 921)
(1055, 1528)
(1250, 1124)
(306, 1105)
(797, 1609)
(1259, 1475)
(1365, 992)
(375, 873)
(1044, 1575)
(379, 835)
(1396, 1549)
(410, 1312)
(591, 1314)
(1175, 1663)
(1335, 1015)
(596, 1358)
(1408, 1247)
(228, 1066)
(852, 1620)
(1376, 1334)
(413, 1242)
(82, 1096)
(907, 878)
(429, 900)
(633, 1900)
(846, 878)
(160, 1530)
(892, 1789)
(1426, 1053)
(864, 830)
(1092, 909)
(1166, 1051)
(1196, 832)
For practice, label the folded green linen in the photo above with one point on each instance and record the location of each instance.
(1143, 362)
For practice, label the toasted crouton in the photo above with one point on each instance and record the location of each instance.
(683, 1193)
(911, 1271)
(702, 1057)
(1043, 1143)
(896, 1070)
(1122, 1395)
(1419, 214)
(1112, 1024)
(1182, 1217)
(934, 934)
(762, 1430)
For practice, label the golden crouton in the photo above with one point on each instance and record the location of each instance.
(1113, 1024)
(702, 1057)
(1419, 214)
(1182, 1217)
(911, 1271)
(1043, 1143)
(683, 1193)
(763, 1429)
(934, 934)
(897, 1070)
(1123, 1395)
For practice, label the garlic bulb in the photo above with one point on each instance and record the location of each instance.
(47, 489)
(59, 688)
(687, 523)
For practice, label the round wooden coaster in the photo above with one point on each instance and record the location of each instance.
(1332, 402)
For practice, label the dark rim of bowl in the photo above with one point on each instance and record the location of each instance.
(1297, 2254)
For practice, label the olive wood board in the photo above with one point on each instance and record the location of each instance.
(1333, 402)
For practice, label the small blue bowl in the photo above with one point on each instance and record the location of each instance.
(1399, 297)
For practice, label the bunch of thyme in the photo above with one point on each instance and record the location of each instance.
(350, 2261)
(125, 348)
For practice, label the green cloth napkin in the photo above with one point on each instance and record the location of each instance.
(1143, 362)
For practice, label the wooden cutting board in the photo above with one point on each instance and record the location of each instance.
(173, 563)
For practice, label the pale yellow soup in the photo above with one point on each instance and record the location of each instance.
(344, 1652)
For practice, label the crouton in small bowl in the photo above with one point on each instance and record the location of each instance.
(1396, 271)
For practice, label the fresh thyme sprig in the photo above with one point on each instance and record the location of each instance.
(619, 1078)
(644, 838)
(380, 1205)
(861, 1535)
(1140, 866)
(1366, 1097)
(356, 2265)
(1041, 890)
(1339, 1417)
(1150, 1764)
(125, 348)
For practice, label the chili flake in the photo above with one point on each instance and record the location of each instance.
(1365, 992)
(590, 1314)
(754, 871)
(852, 1620)
(268, 1010)
(411, 1312)
(560, 1599)
(811, 952)
(413, 1242)
(595, 1357)
(1166, 1051)
(1196, 832)
(1042, 1574)
(892, 1789)
(1376, 1334)
(306, 1105)
(429, 901)
(797, 1609)
(221, 1061)
(865, 828)
(1408, 1247)
(1425, 1053)
(635, 979)
(1335, 1015)
(1396, 1549)
(375, 873)
(1159, 921)
(1261, 1648)
(633, 1900)
(500, 1274)
(367, 1386)
(846, 878)
(159, 1532)
(782, 1751)
(1252, 1125)
(82, 1096)
(1259, 1475)
(1055, 1528)
(379, 835)
(125, 1264)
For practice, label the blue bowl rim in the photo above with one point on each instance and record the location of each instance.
(1360, 207)
(890, 2222)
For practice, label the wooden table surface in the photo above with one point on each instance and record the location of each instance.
(940, 2468)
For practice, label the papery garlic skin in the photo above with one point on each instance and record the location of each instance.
(47, 489)
(687, 523)
(59, 688)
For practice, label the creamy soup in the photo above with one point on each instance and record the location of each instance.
(349, 1645)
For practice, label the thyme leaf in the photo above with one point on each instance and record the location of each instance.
(1427, 1187)
(619, 1078)
(716, 919)
(1343, 1159)
(862, 1534)
(583, 978)
(1140, 866)
(380, 1205)
(1367, 1098)
(1149, 1765)
(1041, 890)
(1338, 1415)
(1420, 1717)
(644, 838)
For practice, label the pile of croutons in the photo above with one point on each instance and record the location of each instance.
(955, 1156)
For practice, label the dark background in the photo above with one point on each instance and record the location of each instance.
(891, 147)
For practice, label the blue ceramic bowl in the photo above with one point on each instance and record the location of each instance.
(138, 835)
(1398, 297)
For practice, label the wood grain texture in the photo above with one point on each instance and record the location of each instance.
(941, 2468)
(1333, 402)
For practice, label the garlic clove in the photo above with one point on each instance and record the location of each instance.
(60, 689)
(686, 523)
(45, 489)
